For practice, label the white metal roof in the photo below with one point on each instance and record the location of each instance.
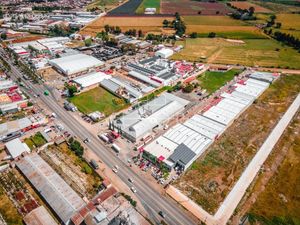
(75, 63)
(91, 79)
(15, 147)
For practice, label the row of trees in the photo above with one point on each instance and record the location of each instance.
(178, 24)
(60, 30)
(287, 39)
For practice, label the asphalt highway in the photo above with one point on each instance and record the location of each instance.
(152, 201)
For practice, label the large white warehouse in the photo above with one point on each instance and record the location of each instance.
(75, 64)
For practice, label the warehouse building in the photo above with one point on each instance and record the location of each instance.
(122, 89)
(164, 53)
(139, 123)
(182, 144)
(90, 80)
(61, 198)
(75, 64)
(39, 216)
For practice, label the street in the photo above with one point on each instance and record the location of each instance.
(152, 201)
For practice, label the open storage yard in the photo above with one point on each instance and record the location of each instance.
(146, 24)
(256, 52)
(221, 166)
(189, 7)
(279, 202)
(98, 99)
(212, 81)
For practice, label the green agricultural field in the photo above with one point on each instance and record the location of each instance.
(212, 81)
(98, 99)
(254, 52)
(148, 4)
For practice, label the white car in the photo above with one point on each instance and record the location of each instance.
(115, 170)
(133, 189)
(117, 167)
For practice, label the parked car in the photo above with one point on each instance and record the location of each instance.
(133, 189)
(162, 214)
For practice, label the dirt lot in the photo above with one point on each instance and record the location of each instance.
(146, 24)
(76, 172)
(247, 5)
(189, 7)
(221, 166)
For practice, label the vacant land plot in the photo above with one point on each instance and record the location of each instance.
(212, 21)
(279, 203)
(247, 5)
(256, 52)
(146, 24)
(98, 99)
(189, 7)
(74, 170)
(149, 4)
(212, 176)
(8, 210)
(212, 81)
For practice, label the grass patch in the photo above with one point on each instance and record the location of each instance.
(212, 81)
(148, 4)
(35, 141)
(152, 95)
(98, 99)
(254, 52)
(213, 175)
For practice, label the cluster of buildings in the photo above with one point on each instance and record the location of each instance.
(11, 97)
(28, 21)
(182, 144)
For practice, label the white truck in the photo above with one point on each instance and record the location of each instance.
(116, 148)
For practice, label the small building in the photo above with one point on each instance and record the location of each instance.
(16, 148)
(164, 53)
(39, 216)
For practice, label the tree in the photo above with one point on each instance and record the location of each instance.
(140, 33)
(251, 11)
(72, 89)
(107, 28)
(194, 35)
(3, 36)
(88, 42)
(103, 35)
(118, 30)
(278, 25)
(188, 88)
(1, 13)
(212, 34)
(166, 23)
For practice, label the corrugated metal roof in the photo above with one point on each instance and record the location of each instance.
(58, 194)
(39, 216)
(75, 63)
(182, 154)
